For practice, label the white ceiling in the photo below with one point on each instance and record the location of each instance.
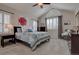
(28, 10)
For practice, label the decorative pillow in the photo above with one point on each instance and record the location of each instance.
(30, 30)
(19, 30)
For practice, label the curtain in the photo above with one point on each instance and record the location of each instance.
(1, 23)
(59, 26)
(38, 29)
(52, 23)
(34, 25)
(4, 21)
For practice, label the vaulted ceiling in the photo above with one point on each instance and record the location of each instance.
(28, 10)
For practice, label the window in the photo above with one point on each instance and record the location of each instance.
(0, 22)
(4, 21)
(52, 23)
(34, 25)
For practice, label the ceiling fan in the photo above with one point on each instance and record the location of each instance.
(41, 4)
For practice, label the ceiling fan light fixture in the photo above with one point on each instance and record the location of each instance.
(41, 4)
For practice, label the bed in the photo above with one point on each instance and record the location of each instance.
(32, 38)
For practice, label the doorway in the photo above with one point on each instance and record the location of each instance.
(52, 26)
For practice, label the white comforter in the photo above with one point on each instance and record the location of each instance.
(31, 37)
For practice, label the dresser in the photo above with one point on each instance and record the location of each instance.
(75, 44)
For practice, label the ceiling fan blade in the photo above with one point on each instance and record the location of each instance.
(41, 4)
(35, 4)
(47, 3)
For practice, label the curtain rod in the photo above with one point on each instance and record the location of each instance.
(6, 11)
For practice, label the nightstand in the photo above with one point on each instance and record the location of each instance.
(5, 36)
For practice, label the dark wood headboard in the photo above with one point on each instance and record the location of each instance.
(15, 28)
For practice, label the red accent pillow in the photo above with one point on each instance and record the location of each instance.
(22, 21)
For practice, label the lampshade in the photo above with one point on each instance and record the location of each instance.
(9, 26)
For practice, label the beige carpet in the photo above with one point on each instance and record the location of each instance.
(53, 47)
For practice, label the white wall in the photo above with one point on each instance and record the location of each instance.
(51, 13)
(28, 24)
(14, 17)
(68, 16)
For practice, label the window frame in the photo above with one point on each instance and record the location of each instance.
(2, 30)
